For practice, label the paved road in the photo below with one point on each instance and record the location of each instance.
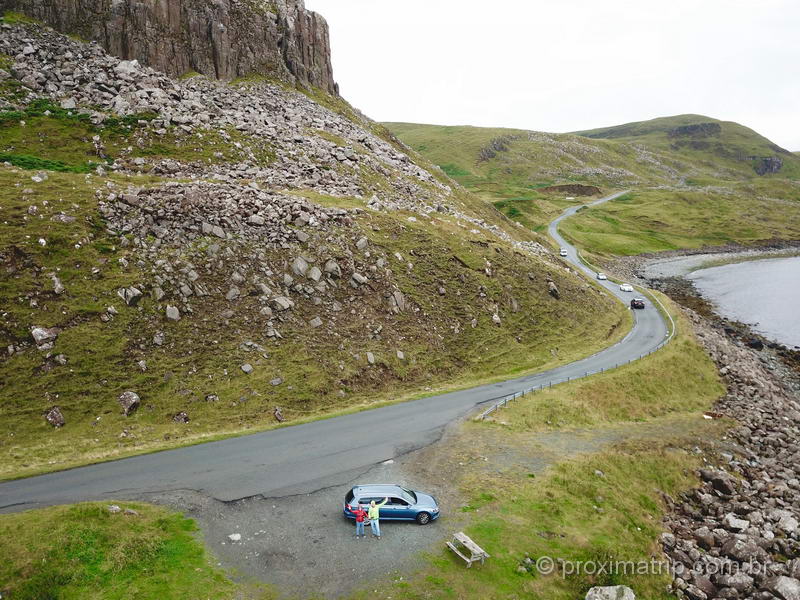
(308, 457)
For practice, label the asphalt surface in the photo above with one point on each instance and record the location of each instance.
(309, 457)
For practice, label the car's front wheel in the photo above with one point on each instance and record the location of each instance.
(423, 518)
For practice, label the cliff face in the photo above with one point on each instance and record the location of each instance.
(219, 38)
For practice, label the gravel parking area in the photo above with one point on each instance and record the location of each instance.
(303, 543)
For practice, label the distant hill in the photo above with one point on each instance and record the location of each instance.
(664, 150)
(699, 136)
(698, 180)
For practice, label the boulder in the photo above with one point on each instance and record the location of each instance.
(692, 592)
(129, 401)
(399, 300)
(281, 303)
(58, 287)
(732, 523)
(333, 269)
(299, 266)
(314, 274)
(173, 314)
(552, 289)
(315, 322)
(720, 481)
(247, 368)
(130, 295)
(181, 417)
(741, 582)
(787, 524)
(613, 592)
(55, 417)
(44, 335)
(742, 549)
(785, 588)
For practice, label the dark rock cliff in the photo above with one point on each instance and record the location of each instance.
(219, 38)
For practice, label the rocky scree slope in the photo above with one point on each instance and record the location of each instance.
(184, 258)
(737, 536)
(222, 39)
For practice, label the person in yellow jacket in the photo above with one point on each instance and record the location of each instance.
(374, 514)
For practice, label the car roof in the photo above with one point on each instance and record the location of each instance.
(377, 488)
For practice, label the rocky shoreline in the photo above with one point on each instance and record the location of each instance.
(737, 535)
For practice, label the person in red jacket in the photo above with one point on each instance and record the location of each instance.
(361, 515)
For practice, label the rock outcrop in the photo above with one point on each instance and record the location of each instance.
(696, 130)
(224, 39)
(766, 164)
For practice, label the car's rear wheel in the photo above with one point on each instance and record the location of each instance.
(423, 518)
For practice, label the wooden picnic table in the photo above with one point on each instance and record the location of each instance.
(460, 542)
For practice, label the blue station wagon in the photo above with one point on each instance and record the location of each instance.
(403, 504)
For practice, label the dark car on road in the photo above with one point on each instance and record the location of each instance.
(637, 303)
(403, 504)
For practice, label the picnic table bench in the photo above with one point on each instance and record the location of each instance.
(464, 547)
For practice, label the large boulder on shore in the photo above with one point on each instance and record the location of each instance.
(612, 592)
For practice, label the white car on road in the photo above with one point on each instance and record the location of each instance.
(563, 252)
(602, 276)
(626, 287)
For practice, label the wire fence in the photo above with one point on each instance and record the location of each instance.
(503, 402)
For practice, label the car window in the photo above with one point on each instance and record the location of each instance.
(349, 497)
(397, 502)
(409, 496)
(367, 499)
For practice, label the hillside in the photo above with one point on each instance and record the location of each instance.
(698, 181)
(724, 147)
(190, 258)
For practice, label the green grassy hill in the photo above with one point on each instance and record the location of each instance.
(722, 147)
(77, 187)
(698, 181)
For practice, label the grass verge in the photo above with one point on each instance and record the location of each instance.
(85, 551)
(603, 507)
(678, 378)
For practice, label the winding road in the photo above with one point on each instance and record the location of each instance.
(308, 457)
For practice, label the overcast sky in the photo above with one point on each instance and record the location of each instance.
(566, 65)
